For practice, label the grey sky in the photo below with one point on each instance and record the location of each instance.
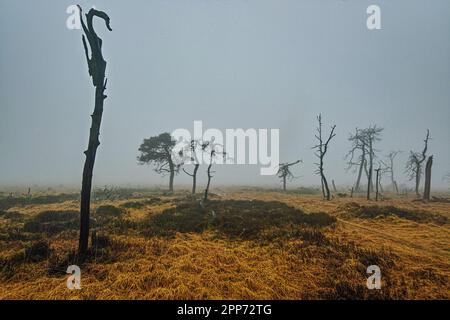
(231, 64)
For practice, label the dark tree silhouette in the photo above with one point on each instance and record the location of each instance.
(377, 182)
(97, 68)
(414, 165)
(194, 147)
(284, 172)
(214, 150)
(322, 148)
(427, 189)
(158, 150)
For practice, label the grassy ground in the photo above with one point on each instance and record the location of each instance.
(243, 244)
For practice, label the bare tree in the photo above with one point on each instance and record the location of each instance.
(356, 157)
(368, 175)
(194, 147)
(284, 172)
(321, 150)
(362, 154)
(214, 150)
(97, 68)
(414, 165)
(371, 135)
(388, 168)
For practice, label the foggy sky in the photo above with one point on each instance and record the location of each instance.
(230, 63)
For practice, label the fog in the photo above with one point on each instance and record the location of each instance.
(231, 64)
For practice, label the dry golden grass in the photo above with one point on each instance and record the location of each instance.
(283, 262)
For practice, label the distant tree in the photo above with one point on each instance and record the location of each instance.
(321, 150)
(388, 168)
(194, 148)
(284, 172)
(414, 165)
(371, 135)
(356, 157)
(214, 150)
(97, 69)
(363, 154)
(158, 150)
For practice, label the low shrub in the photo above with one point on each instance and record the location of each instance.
(233, 218)
(354, 210)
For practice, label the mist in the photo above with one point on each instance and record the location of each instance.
(231, 64)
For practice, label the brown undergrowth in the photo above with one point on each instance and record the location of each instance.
(232, 247)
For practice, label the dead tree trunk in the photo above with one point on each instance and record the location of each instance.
(323, 187)
(205, 197)
(427, 189)
(361, 168)
(392, 155)
(284, 172)
(396, 187)
(377, 183)
(415, 162)
(371, 165)
(334, 186)
(209, 172)
(370, 172)
(97, 68)
(327, 189)
(193, 148)
(212, 154)
(380, 185)
(418, 175)
(194, 177)
(322, 148)
(172, 174)
(369, 182)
